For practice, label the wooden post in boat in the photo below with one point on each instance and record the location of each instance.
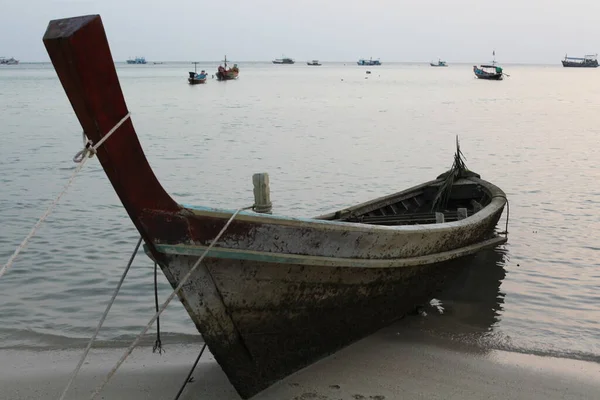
(262, 193)
(461, 213)
(439, 218)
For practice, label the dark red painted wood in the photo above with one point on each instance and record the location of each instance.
(81, 56)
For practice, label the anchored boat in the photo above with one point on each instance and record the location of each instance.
(284, 60)
(313, 62)
(370, 61)
(196, 78)
(227, 74)
(276, 293)
(440, 63)
(490, 72)
(588, 61)
(8, 61)
(137, 60)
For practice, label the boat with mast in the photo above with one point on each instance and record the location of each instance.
(587, 61)
(227, 74)
(273, 294)
(196, 78)
(439, 63)
(492, 71)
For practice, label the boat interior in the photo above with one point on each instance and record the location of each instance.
(466, 197)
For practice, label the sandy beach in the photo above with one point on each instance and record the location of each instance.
(382, 366)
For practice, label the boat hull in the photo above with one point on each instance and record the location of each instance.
(264, 321)
(570, 64)
(228, 76)
(193, 81)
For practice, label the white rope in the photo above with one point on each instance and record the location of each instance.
(80, 158)
(89, 148)
(164, 306)
(110, 303)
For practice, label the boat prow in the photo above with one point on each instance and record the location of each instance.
(277, 293)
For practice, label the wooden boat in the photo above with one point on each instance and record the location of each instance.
(490, 72)
(196, 78)
(277, 293)
(588, 61)
(227, 74)
(440, 63)
(313, 63)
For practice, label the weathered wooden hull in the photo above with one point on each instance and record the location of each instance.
(228, 76)
(490, 77)
(275, 293)
(193, 81)
(277, 318)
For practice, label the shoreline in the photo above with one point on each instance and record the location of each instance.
(382, 366)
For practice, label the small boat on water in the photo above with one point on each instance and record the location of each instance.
(440, 63)
(587, 61)
(137, 60)
(227, 74)
(489, 72)
(276, 293)
(313, 62)
(492, 72)
(284, 60)
(370, 61)
(8, 61)
(197, 78)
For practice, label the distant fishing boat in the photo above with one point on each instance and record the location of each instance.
(227, 74)
(196, 78)
(137, 60)
(8, 61)
(313, 62)
(284, 60)
(492, 72)
(440, 63)
(370, 61)
(587, 61)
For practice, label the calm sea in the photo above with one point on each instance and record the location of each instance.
(329, 137)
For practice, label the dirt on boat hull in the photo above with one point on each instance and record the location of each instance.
(281, 317)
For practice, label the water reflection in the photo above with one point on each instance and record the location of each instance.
(470, 306)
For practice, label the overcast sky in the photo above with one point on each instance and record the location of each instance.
(527, 31)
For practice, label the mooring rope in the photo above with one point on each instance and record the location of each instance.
(187, 379)
(165, 304)
(110, 303)
(501, 196)
(157, 344)
(88, 150)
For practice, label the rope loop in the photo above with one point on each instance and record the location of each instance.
(90, 149)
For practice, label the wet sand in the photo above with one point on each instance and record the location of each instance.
(382, 366)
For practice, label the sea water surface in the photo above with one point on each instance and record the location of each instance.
(329, 137)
